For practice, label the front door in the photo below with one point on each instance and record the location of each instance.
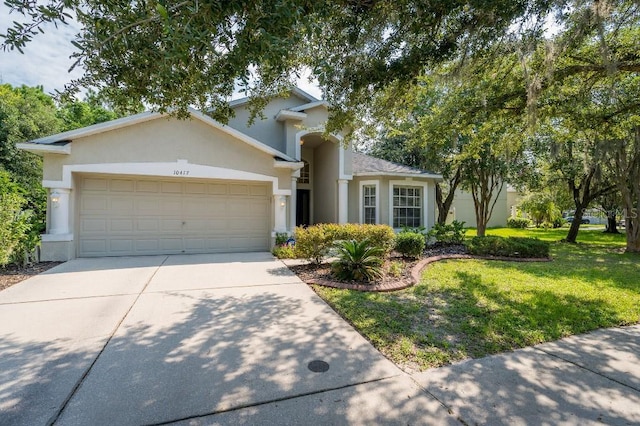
(303, 207)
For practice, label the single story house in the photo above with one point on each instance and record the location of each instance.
(152, 184)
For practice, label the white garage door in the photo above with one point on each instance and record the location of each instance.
(132, 216)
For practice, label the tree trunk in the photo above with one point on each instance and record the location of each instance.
(481, 229)
(612, 225)
(444, 204)
(575, 225)
(633, 235)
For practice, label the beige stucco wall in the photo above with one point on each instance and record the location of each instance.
(464, 209)
(316, 117)
(513, 199)
(325, 178)
(167, 140)
(267, 130)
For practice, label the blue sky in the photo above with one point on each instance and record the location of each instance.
(46, 60)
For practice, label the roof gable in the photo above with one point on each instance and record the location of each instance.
(48, 141)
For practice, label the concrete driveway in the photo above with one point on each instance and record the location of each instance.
(196, 339)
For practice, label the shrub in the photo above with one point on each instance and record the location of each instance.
(452, 233)
(519, 222)
(314, 242)
(410, 244)
(359, 261)
(284, 252)
(396, 269)
(509, 247)
(281, 238)
(16, 224)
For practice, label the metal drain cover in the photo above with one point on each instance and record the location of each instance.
(318, 366)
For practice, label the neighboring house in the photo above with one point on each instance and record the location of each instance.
(462, 209)
(152, 184)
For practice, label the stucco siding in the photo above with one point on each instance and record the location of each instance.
(325, 183)
(266, 129)
(316, 117)
(166, 140)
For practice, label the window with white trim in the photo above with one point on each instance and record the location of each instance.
(304, 173)
(368, 204)
(407, 206)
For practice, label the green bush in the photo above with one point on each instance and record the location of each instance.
(410, 244)
(281, 238)
(518, 222)
(284, 252)
(359, 261)
(16, 224)
(508, 247)
(314, 242)
(452, 233)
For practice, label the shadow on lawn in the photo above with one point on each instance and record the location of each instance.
(489, 320)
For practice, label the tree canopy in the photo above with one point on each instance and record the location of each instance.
(197, 52)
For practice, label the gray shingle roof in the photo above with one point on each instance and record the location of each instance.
(366, 164)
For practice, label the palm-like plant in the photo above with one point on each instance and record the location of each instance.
(358, 261)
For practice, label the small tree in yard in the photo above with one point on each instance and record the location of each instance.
(541, 208)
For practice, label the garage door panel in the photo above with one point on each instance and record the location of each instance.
(94, 203)
(131, 216)
(93, 247)
(236, 189)
(93, 225)
(171, 245)
(122, 205)
(121, 246)
(171, 225)
(195, 188)
(122, 225)
(147, 225)
(122, 185)
(95, 184)
(147, 205)
(171, 187)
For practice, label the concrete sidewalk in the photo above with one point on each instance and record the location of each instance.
(228, 339)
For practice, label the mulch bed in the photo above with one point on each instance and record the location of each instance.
(13, 274)
(412, 270)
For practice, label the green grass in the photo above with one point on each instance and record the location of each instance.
(470, 308)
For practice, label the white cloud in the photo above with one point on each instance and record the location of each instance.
(46, 59)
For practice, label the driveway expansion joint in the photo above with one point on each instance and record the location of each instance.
(74, 390)
(271, 401)
(63, 299)
(589, 370)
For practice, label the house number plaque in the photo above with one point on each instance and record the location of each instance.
(181, 172)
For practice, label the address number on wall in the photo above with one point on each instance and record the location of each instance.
(181, 172)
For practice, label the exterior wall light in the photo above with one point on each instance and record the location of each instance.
(283, 202)
(55, 198)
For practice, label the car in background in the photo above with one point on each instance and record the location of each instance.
(583, 221)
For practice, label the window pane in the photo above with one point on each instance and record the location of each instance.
(407, 202)
(369, 203)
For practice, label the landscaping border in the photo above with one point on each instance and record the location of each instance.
(416, 272)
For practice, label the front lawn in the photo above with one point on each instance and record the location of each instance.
(471, 308)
